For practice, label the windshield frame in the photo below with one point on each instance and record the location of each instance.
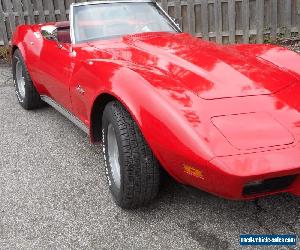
(74, 5)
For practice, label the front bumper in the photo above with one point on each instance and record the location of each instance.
(228, 176)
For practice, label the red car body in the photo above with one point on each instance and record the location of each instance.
(223, 119)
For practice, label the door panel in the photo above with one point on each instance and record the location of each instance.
(81, 84)
(56, 69)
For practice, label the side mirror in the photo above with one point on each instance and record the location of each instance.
(49, 32)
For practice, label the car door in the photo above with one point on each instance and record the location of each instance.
(56, 64)
(81, 89)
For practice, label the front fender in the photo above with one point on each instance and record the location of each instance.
(166, 130)
(30, 46)
(21, 38)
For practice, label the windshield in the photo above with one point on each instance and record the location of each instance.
(106, 20)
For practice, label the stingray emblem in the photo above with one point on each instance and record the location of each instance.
(193, 171)
(80, 90)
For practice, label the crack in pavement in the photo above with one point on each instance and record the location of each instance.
(259, 210)
(285, 220)
(293, 224)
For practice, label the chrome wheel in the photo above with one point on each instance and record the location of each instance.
(20, 79)
(113, 155)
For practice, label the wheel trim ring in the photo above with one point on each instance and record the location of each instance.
(20, 79)
(113, 155)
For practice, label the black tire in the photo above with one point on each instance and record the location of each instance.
(30, 99)
(139, 169)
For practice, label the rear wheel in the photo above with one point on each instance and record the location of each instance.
(27, 94)
(132, 170)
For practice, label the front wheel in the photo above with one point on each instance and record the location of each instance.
(132, 170)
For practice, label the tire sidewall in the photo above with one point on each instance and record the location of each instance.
(107, 119)
(17, 57)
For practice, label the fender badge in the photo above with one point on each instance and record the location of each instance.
(193, 171)
(80, 90)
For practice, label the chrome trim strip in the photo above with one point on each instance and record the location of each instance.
(71, 24)
(170, 18)
(114, 1)
(65, 113)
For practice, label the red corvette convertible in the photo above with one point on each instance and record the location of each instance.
(224, 119)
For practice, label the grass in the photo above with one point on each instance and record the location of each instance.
(4, 53)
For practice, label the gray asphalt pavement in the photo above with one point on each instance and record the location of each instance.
(53, 194)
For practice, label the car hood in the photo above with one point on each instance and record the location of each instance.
(209, 70)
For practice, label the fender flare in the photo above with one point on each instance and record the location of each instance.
(162, 127)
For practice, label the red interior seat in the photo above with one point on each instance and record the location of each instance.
(63, 35)
(63, 31)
